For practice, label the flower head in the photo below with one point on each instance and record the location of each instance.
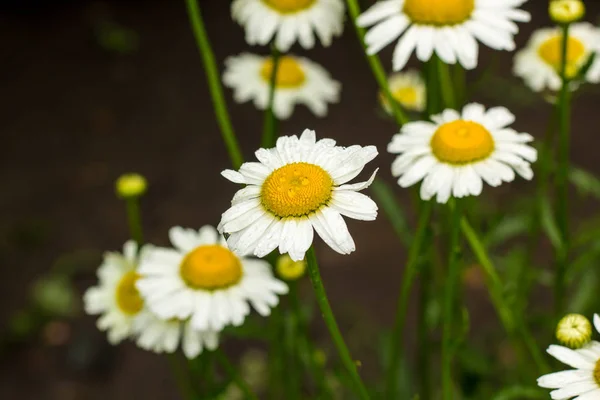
(574, 331)
(451, 28)
(456, 153)
(298, 81)
(288, 21)
(201, 279)
(295, 188)
(131, 185)
(289, 269)
(566, 11)
(407, 89)
(539, 62)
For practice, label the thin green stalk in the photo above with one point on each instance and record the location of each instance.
(562, 210)
(423, 328)
(233, 374)
(214, 83)
(446, 88)
(410, 272)
(375, 64)
(181, 379)
(134, 218)
(332, 326)
(512, 325)
(293, 374)
(270, 122)
(451, 286)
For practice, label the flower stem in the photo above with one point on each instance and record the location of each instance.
(410, 273)
(214, 83)
(270, 122)
(183, 381)
(134, 219)
(376, 66)
(334, 330)
(452, 284)
(424, 345)
(446, 88)
(564, 117)
(233, 374)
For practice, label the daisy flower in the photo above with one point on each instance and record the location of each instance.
(288, 21)
(201, 279)
(539, 62)
(455, 153)
(299, 186)
(451, 28)
(298, 81)
(408, 89)
(582, 382)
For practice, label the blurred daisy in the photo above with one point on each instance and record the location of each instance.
(203, 280)
(408, 89)
(448, 27)
(298, 81)
(455, 153)
(582, 382)
(539, 62)
(298, 186)
(288, 21)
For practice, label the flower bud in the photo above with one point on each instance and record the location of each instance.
(131, 185)
(289, 269)
(566, 11)
(574, 331)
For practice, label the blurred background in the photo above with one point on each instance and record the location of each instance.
(94, 89)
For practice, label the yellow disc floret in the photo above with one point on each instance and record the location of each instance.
(462, 142)
(127, 296)
(210, 267)
(439, 12)
(574, 331)
(131, 185)
(597, 372)
(289, 6)
(551, 52)
(566, 11)
(289, 72)
(289, 269)
(295, 190)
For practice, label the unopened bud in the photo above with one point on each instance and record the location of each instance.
(131, 185)
(289, 269)
(574, 331)
(566, 11)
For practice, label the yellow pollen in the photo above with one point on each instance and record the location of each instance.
(597, 372)
(289, 72)
(551, 52)
(296, 189)
(210, 267)
(462, 142)
(127, 296)
(289, 6)
(439, 12)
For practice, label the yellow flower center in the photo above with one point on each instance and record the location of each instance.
(574, 331)
(128, 298)
(289, 72)
(439, 12)
(597, 372)
(296, 189)
(210, 267)
(462, 142)
(551, 52)
(289, 6)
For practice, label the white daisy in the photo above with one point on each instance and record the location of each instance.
(164, 336)
(539, 62)
(203, 280)
(448, 27)
(298, 186)
(455, 153)
(581, 383)
(408, 89)
(285, 21)
(298, 81)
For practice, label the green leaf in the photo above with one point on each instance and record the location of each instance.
(387, 201)
(549, 224)
(508, 228)
(585, 182)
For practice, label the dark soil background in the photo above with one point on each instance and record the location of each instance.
(75, 113)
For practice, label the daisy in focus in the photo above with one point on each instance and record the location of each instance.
(450, 28)
(298, 81)
(201, 279)
(539, 62)
(288, 21)
(296, 188)
(456, 153)
(582, 382)
(408, 89)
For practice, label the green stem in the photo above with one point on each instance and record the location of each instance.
(291, 328)
(233, 374)
(135, 220)
(446, 87)
(183, 382)
(424, 344)
(332, 326)
(452, 284)
(410, 272)
(270, 122)
(376, 67)
(511, 324)
(214, 83)
(564, 120)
